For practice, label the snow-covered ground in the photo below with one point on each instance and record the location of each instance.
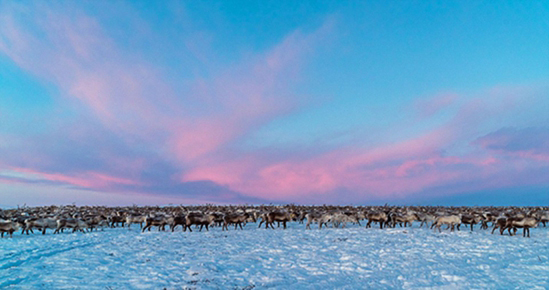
(351, 258)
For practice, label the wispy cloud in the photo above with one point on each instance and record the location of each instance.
(529, 143)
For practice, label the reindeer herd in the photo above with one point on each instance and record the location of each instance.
(88, 218)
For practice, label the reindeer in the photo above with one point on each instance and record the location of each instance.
(95, 221)
(500, 223)
(198, 219)
(524, 223)
(115, 220)
(343, 218)
(311, 218)
(74, 223)
(219, 218)
(236, 218)
(8, 226)
(409, 218)
(486, 218)
(450, 220)
(136, 219)
(159, 221)
(278, 216)
(41, 223)
(376, 217)
(425, 219)
(468, 219)
(542, 216)
(178, 220)
(325, 219)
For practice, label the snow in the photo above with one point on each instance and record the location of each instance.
(350, 258)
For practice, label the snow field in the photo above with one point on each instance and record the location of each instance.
(351, 258)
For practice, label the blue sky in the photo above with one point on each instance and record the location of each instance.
(273, 101)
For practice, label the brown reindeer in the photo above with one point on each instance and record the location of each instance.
(157, 221)
(178, 220)
(399, 219)
(486, 218)
(376, 217)
(236, 218)
(468, 219)
(500, 223)
(278, 216)
(524, 223)
(199, 219)
(9, 227)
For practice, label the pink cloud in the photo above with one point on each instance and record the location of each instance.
(90, 180)
(384, 170)
(131, 97)
(528, 143)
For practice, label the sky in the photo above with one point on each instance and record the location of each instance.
(307, 102)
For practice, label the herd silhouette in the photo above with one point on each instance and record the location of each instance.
(89, 218)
